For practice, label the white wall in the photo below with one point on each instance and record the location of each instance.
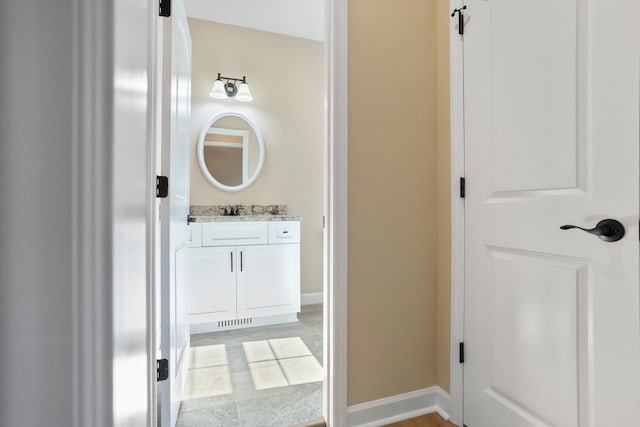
(35, 213)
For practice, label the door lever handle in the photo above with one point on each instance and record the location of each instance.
(608, 230)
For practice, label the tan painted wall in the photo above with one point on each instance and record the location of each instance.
(398, 198)
(286, 76)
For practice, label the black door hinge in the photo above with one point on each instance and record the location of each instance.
(461, 352)
(162, 369)
(460, 19)
(165, 8)
(162, 186)
(463, 187)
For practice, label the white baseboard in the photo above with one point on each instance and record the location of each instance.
(313, 298)
(398, 408)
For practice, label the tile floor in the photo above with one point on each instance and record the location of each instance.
(263, 376)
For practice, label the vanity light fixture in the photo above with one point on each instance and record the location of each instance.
(231, 88)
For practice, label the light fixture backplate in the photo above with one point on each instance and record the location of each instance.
(231, 89)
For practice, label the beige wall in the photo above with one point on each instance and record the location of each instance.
(398, 198)
(286, 76)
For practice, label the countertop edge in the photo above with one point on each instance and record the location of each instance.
(244, 218)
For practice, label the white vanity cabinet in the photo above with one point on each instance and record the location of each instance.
(242, 273)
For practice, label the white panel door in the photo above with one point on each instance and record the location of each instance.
(268, 280)
(176, 104)
(552, 319)
(212, 284)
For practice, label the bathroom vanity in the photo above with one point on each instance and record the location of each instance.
(243, 262)
(243, 271)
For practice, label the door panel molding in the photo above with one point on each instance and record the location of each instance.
(552, 292)
(524, 129)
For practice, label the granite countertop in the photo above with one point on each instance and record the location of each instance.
(216, 213)
(235, 218)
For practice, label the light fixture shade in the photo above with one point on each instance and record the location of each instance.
(244, 94)
(217, 91)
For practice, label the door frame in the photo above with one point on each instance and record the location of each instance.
(336, 213)
(335, 205)
(458, 169)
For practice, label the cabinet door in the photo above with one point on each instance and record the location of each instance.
(268, 280)
(212, 284)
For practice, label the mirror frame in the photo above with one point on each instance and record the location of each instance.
(203, 166)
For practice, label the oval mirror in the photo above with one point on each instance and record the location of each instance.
(231, 151)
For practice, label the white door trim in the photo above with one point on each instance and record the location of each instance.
(335, 232)
(457, 216)
(154, 152)
(96, 364)
(92, 351)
